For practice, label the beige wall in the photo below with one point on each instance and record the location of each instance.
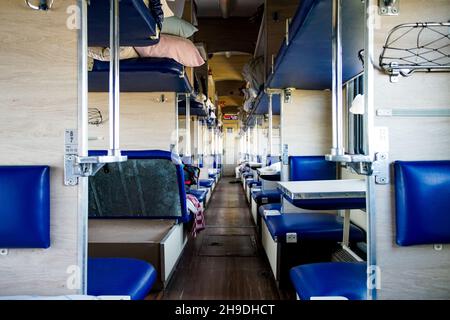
(416, 272)
(307, 123)
(38, 101)
(145, 123)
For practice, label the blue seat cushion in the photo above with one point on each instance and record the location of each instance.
(25, 207)
(207, 183)
(269, 206)
(343, 279)
(200, 194)
(422, 201)
(247, 175)
(310, 226)
(267, 196)
(253, 183)
(329, 204)
(120, 276)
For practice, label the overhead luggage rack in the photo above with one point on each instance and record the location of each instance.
(416, 47)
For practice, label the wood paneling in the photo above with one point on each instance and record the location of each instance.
(307, 126)
(145, 123)
(38, 101)
(416, 272)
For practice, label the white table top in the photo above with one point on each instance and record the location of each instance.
(266, 172)
(324, 189)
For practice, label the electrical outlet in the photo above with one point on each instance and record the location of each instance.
(291, 237)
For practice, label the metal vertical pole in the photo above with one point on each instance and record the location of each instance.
(177, 131)
(270, 125)
(283, 151)
(188, 125)
(337, 112)
(114, 80)
(83, 145)
(369, 113)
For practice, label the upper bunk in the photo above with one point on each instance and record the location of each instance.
(138, 25)
(261, 106)
(305, 57)
(196, 108)
(142, 75)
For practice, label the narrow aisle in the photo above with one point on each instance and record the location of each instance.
(224, 262)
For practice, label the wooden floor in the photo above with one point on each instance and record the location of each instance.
(240, 273)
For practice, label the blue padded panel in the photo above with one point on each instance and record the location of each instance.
(200, 194)
(25, 207)
(141, 75)
(306, 168)
(311, 226)
(269, 206)
(137, 24)
(329, 204)
(262, 104)
(273, 196)
(306, 62)
(330, 279)
(422, 202)
(158, 155)
(120, 276)
(207, 183)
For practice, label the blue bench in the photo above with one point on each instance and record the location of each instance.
(301, 168)
(206, 183)
(200, 194)
(422, 193)
(310, 226)
(338, 279)
(120, 277)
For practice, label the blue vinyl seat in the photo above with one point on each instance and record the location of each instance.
(310, 226)
(253, 183)
(206, 183)
(200, 194)
(120, 277)
(337, 279)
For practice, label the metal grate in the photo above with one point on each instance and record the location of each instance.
(412, 47)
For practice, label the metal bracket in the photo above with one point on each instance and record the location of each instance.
(380, 168)
(394, 72)
(3, 252)
(389, 7)
(76, 166)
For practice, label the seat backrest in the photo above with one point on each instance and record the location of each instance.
(305, 168)
(422, 202)
(25, 207)
(149, 185)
